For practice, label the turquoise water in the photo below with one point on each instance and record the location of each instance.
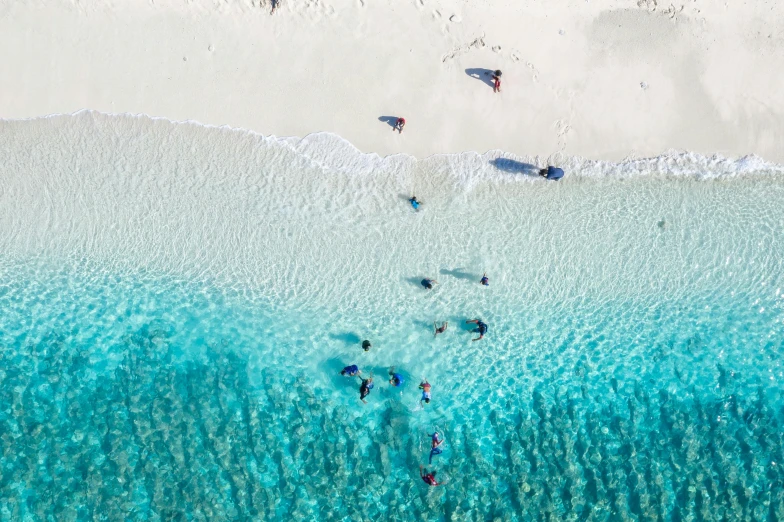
(176, 303)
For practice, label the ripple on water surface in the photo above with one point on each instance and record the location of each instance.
(176, 303)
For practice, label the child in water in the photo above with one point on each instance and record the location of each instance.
(438, 330)
(425, 387)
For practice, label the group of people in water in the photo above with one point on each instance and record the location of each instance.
(396, 379)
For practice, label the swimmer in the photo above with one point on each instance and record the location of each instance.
(485, 281)
(428, 283)
(396, 379)
(425, 387)
(366, 345)
(441, 329)
(414, 202)
(429, 478)
(350, 371)
(365, 387)
(399, 124)
(481, 328)
(435, 442)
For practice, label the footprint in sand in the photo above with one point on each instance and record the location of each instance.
(436, 14)
(534, 72)
(455, 19)
(496, 48)
(515, 56)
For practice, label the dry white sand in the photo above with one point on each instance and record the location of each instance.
(595, 78)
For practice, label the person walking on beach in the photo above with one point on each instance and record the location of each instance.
(496, 81)
(481, 328)
(274, 6)
(425, 387)
(428, 283)
(350, 371)
(414, 202)
(440, 329)
(485, 281)
(428, 477)
(399, 124)
(435, 442)
(365, 387)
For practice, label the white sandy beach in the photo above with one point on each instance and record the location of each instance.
(603, 79)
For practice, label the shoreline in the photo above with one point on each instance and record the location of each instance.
(604, 80)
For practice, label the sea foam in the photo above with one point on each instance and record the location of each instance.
(176, 303)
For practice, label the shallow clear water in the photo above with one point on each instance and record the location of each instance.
(176, 303)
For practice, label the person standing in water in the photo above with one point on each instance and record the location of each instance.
(481, 328)
(428, 283)
(428, 477)
(435, 442)
(365, 387)
(440, 329)
(485, 281)
(399, 124)
(425, 387)
(395, 378)
(350, 371)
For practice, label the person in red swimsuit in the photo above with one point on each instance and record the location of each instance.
(497, 81)
(428, 477)
(399, 124)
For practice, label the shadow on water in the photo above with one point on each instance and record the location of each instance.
(483, 75)
(350, 338)
(515, 167)
(416, 281)
(460, 274)
(390, 120)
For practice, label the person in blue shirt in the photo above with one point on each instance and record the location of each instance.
(435, 442)
(414, 202)
(481, 328)
(485, 281)
(395, 378)
(350, 371)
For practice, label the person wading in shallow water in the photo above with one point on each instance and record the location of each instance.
(365, 387)
(428, 476)
(435, 442)
(440, 329)
(481, 328)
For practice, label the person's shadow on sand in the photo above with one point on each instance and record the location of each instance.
(483, 75)
(510, 165)
(391, 120)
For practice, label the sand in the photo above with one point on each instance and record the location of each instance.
(608, 79)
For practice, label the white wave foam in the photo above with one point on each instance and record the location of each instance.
(313, 220)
